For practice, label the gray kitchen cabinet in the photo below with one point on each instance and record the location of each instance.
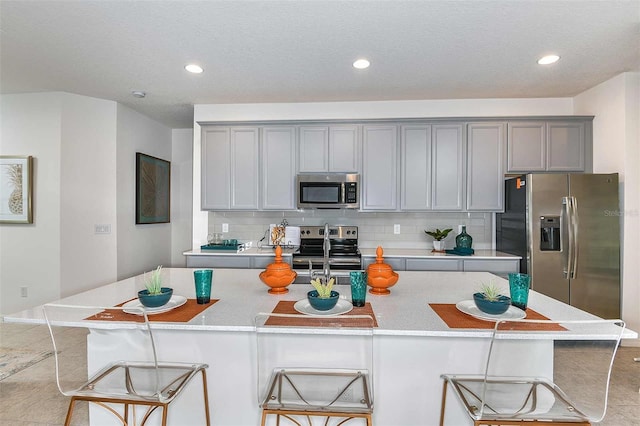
(415, 167)
(432, 167)
(379, 181)
(278, 147)
(230, 168)
(232, 261)
(396, 263)
(553, 145)
(447, 162)
(329, 149)
(566, 146)
(501, 267)
(485, 166)
(433, 264)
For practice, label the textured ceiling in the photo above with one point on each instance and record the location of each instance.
(301, 51)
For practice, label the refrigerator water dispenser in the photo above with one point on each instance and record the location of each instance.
(549, 233)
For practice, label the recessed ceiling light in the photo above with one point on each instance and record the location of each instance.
(196, 69)
(138, 94)
(549, 59)
(361, 64)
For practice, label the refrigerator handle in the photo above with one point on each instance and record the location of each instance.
(574, 225)
(568, 253)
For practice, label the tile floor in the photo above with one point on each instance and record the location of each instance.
(31, 398)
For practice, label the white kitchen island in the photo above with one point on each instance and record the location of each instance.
(412, 344)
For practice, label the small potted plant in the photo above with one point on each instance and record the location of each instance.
(490, 300)
(154, 295)
(323, 297)
(438, 235)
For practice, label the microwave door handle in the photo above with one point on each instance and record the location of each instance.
(343, 194)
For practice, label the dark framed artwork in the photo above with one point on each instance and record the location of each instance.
(16, 189)
(153, 189)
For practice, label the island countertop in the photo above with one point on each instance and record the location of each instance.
(242, 295)
(412, 344)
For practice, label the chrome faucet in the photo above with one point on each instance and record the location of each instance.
(326, 246)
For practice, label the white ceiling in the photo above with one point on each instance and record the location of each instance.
(301, 51)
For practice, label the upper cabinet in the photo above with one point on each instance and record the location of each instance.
(448, 167)
(485, 166)
(553, 145)
(432, 167)
(278, 148)
(230, 168)
(329, 149)
(379, 181)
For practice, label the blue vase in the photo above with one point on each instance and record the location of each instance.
(463, 239)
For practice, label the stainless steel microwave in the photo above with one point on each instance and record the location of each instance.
(328, 191)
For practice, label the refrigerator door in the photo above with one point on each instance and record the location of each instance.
(595, 282)
(548, 267)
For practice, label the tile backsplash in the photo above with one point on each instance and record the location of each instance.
(374, 228)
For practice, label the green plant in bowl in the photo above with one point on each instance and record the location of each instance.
(155, 295)
(490, 299)
(323, 297)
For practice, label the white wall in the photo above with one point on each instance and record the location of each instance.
(87, 193)
(30, 254)
(355, 110)
(84, 160)
(181, 195)
(140, 247)
(615, 103)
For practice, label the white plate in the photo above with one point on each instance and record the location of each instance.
(469, 307)
(304, 307)
(173, 303)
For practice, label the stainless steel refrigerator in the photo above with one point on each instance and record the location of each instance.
(566, 227)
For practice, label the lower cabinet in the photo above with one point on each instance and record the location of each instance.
(232, 262)
(501, 267)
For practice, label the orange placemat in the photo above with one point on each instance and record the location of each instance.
(286, 307)
(456, 319)
(184, 313)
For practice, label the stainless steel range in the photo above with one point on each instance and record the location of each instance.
(342, 248)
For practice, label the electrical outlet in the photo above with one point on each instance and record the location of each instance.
(225, 227)
(459, 229)
(396, 228)
(23, 292)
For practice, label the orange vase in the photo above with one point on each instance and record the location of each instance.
(380, 276)
(278, 275)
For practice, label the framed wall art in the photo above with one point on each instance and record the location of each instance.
(16, 189)
(153, 186)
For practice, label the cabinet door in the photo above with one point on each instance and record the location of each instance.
(216, 174)
(314, 149)
(344, 149)
(415, 181)
(278, 168)
(447, 163)
(526, 146)
(244, 168)
(565, 146)
(379, 167)
(485, 171)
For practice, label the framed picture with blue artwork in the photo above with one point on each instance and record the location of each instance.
(16, 189)
(153, 189)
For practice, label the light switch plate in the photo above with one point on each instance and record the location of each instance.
(396, 228)
(225, 227)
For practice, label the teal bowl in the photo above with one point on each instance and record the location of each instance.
(492, 307)
(155, 300)
(322, 304)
